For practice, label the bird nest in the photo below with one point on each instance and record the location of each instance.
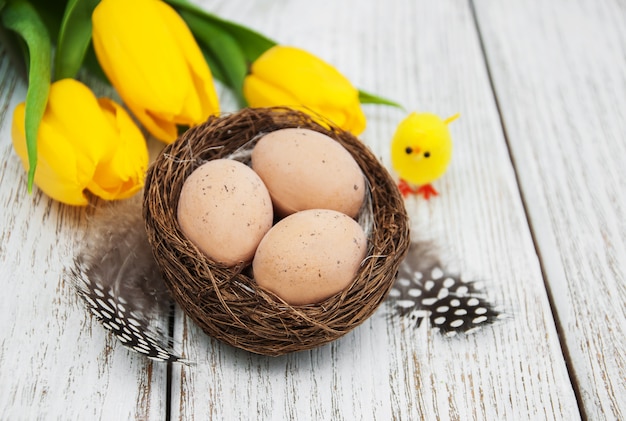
(226, 302)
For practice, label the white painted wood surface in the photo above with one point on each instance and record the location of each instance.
(559, 70)
(383, 370)
(56, 362)
(558, 73)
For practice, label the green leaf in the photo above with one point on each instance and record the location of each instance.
(19, 16)
(51, 13)
(74, 38)
(2, 4)
(222, 49)
(252, 43)
(367, 98)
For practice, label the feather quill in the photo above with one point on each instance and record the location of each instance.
(116, 275)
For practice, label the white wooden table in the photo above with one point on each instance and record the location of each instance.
(534, 204)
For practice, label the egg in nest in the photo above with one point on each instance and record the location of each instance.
(224, 209)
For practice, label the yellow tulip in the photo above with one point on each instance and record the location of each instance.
(288, 76)
(153, 61)
(84, 143)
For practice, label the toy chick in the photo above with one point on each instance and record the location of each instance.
(421, 150)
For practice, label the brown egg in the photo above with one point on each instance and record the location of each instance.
(304, 169)
(225, 210)
(310, 256)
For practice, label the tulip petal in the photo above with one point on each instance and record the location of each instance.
(152, 59)
(138, 54)
(74, 110)
(286, 73)
(163, 129)
(58, 173)
(83, 143)
(304, 68)
(123, 175)
(203, 89)
(260, 92)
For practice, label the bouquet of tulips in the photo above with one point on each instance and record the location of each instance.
(161, 57)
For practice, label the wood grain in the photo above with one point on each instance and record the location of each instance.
(559, 70)
(540, 87)
(427, 55)
(56, 362)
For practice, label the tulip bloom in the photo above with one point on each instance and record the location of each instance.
(84, 143)
(151, 58)
(288, 76)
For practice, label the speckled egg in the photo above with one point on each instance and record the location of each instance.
(304, 169)
(310, 256)
(225, 210)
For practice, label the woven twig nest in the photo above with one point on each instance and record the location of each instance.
(226, 302)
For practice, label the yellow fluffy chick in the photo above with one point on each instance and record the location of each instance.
(421, 150)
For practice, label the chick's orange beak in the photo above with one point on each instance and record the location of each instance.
(412, 149)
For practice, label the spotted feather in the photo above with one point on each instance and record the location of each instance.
(115, 274)
(424, 291)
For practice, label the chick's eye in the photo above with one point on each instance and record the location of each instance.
(408, 150)
(426, 154)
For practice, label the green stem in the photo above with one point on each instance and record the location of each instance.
(19, 16)
(74, 38)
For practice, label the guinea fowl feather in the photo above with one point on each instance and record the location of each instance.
(117, 276)
(425, 290)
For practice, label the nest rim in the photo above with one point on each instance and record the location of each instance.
(225, 302)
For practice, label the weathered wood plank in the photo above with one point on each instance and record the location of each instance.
(559, 70)
(426, 55)
(56, 362)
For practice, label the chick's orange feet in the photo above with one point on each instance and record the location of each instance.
(405, 189)
(426, 191)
